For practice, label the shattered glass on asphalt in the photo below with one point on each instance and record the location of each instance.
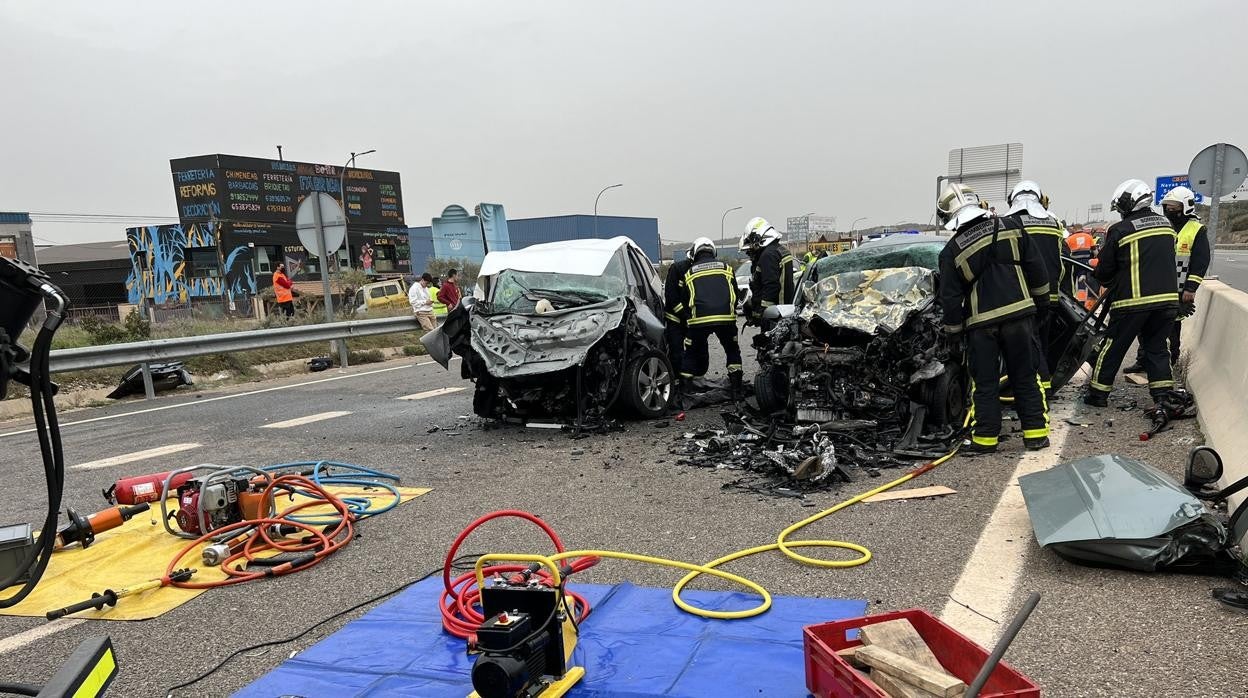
(871, 300)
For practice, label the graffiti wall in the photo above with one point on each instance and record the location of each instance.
(175, 263)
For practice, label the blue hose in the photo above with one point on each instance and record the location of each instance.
(357, 476)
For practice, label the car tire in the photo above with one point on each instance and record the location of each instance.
(945, 397)
(770, 390)
(648, 385)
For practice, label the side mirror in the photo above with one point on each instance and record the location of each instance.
(1204, 467)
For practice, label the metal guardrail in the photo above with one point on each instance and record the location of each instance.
(174, 348)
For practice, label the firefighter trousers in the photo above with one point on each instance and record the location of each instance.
(674, 333)
(1152, 328)
(1043, 319)
(698, 352)
(1014, 341)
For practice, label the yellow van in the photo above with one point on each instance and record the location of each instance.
(391, 293)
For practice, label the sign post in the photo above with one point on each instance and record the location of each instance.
(322, 229)
(1216, 172)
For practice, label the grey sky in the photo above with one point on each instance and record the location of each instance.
(842, 108)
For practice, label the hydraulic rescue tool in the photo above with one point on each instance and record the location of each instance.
(24, 292)
(82, 530)
(109, 597)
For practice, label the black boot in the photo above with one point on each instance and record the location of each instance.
(1096, 398)
(1037, 444)
(734, 384)
(1136, 367)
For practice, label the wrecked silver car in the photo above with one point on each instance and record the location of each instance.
(563, 330)
(863, 342)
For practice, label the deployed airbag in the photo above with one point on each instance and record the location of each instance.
(1112, 511)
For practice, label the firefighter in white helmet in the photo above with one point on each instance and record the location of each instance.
(1192, 253)
(1029, 208)
(1137, 265)
(991, 280)
(771, 278)
(709, 292)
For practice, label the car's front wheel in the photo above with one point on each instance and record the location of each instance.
(648, 385)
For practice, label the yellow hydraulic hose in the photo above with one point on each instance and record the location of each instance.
(783, 544)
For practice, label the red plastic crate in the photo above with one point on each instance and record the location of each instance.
(829, 676)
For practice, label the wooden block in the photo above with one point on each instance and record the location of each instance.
(897, 688)
(913, 493)
(913, 673)
(850, 654)
(1136, 378)
(900, 636)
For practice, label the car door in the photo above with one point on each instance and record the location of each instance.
(1075, 332)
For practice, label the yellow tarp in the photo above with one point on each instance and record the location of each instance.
(138, 551)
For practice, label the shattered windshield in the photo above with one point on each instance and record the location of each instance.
(520, 291)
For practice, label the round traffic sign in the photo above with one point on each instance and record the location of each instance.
(331, 218)
(1200, 173)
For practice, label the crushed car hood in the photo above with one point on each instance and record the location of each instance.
(511, 344)
(872, 300)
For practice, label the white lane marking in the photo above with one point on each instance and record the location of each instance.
(995, 566)
(20, 640)
(430, 393)
(300, 421)
(137, 455)
(221, 397)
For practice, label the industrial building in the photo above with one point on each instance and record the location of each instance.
(16, 240)
(92, 274)
(458, 235)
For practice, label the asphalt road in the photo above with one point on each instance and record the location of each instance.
(1096, 632)
(1231, 266)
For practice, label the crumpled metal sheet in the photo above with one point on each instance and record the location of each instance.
(522, 345)
(1115, 511)
(870, 301)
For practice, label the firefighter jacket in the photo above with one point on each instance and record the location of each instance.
(1137, 263)
(674, 291)
(710, 292)
(1048, 237)
(990, 272)
(771, 280)
(1192, 253)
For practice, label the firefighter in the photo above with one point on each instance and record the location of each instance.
(1191, 253)
(1137, 265)
(674, 311)
(991, 280)
(709, 295)
(771, 278)
(1029, 208)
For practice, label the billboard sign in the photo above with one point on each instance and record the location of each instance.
(1168, 182)
(991, 170)
(234, 188)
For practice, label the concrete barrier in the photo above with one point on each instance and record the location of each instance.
(1215, 340)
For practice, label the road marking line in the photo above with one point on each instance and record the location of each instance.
(221, 397)
(430, 393)
(300, 421)
(37, 633)
(995, 566)
(137, 455)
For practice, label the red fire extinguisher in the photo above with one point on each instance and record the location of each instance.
(143, 488)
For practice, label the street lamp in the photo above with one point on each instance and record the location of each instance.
(722, 239)
(855, 225)
(342, 195)
(613, 186)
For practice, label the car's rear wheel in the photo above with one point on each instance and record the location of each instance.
(945, 396)
(648, 385)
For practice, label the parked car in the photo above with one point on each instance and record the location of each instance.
(743, 285)
(390, 293)
(564, 330)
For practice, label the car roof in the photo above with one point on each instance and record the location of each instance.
(588, 257)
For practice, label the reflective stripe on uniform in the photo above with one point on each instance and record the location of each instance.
(1146, 300)
(1148, 233)
(1100, 359)
(671, 317)
(977, 318)
(984, 440)
(1036, 433)
(1160, 384)
(708, 319)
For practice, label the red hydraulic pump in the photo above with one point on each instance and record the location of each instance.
(143, 488)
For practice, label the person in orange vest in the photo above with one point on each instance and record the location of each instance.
(1082, 248)
(282, 290)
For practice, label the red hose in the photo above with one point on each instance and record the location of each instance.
(460, 596)
(321, 545)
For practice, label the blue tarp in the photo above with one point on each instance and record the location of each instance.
(636, 643)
